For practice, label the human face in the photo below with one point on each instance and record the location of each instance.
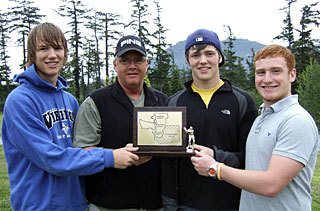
(205, 66)
(273, 79)
(131, 69)
(49, 61)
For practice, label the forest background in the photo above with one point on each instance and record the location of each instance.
(91, 53)
(90, 56)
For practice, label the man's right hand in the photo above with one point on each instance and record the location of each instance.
(124, 157)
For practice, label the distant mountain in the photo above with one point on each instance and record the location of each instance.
(242, 48)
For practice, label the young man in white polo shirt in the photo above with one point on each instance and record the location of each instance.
(281, 150)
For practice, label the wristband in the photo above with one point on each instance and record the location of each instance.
(219, 171)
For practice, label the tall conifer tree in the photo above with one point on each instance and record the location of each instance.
(23, 16)
(4, 56)
(233, 70)
(162, 60)
(75, 11)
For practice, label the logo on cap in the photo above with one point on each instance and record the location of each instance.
(131, 41)
(199, 39)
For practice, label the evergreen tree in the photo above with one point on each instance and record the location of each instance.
(177, 77)
(251, 73)
(23, 16)
(110, 21)
(162, 61)
(94, 63)
(4, 67)
(308, 87)
(176, 80)
(251, 88)
(287, 33)
(91, 79)
(304, 48)
(233, 70)
(139, 22)
(76, 11)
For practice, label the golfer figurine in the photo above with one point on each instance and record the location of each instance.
(191, 138)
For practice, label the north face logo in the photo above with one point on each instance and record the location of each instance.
(226, 111)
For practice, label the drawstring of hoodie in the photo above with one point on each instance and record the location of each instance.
(70, 125)
(59, 93)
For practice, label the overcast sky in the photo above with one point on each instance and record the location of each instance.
(255, 20)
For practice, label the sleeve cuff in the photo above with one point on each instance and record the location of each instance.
(215, 152)
(108, 158)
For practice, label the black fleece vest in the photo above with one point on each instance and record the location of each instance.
(134, 187)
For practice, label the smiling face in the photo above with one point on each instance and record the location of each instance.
(273, 79)
(131, 69)
(205, 66)
(47, 49)
(49, 61)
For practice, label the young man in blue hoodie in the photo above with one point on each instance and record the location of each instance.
(38, 118)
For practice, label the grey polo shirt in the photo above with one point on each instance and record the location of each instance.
(288, 130)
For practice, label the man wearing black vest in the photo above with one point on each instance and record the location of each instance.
(105, 119)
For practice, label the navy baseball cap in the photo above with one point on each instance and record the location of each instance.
(204, 36)
(130, 43)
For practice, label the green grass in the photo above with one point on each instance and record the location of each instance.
(4, 181)
(4, 184)
(5, 201)
(316, 186)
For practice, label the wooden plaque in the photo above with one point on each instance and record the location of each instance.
(158, 131)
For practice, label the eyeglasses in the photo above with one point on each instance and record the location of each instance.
(137, 60)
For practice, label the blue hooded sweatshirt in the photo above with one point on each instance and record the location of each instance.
(43, 166)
